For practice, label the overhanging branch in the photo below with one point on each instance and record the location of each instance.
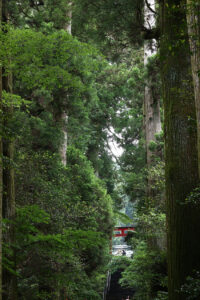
(149, 7)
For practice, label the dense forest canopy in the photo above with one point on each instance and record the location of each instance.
(79, 79)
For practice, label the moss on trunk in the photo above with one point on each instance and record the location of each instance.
(193, 24)
(180, 148)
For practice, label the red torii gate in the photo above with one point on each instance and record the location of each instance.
(122, 231)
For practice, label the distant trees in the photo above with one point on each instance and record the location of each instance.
(180, 116)
(64, 214)
(63, 234)
(180, 113)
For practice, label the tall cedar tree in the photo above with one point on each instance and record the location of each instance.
(180, 148)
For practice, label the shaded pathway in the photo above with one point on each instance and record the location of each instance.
(116, 292)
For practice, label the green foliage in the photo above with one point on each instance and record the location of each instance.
(79, 209)
(64, 216)
(157, 174)
(135, 174)
(123, 218)
(119, 263)
(193, 198)
(152, 146)
(53, 252)
(162, 296)
(42, 56)
(73, 238)
(46, 15)
(16, 101)
(151, 224)
(109, 24)
(191, 289)
(152, 74)
(145, 271)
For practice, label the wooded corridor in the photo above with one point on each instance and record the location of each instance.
(100, 150)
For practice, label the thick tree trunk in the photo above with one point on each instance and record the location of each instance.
(193, 22)
(180, 149)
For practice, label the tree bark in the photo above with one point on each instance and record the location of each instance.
(193, 23)
(180, 148)
(152, 122)
(64, 120)
(63, 148)
(68, 25)
(64, 114)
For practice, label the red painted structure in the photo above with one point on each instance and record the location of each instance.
(122, 231)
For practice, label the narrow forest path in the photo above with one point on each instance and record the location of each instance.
(116, 292)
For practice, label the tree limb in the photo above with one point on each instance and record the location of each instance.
(149, 7)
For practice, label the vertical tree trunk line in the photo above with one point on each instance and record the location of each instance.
(180, 149)
(193, 23)
(152, 122)
(64, 114)
(63, 148)
(68, 24)
(63, 118)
